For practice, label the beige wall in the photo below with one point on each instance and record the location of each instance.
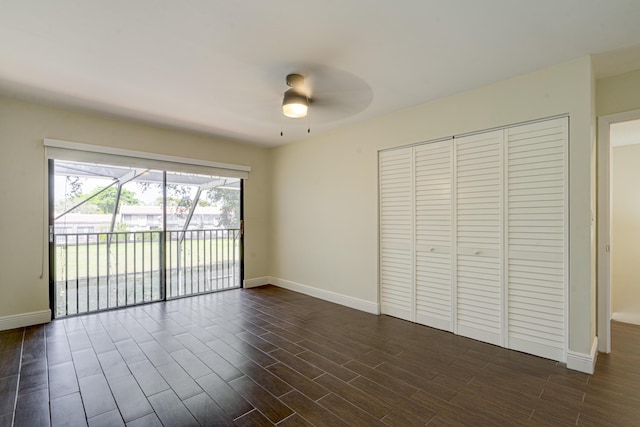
(618, 93)
(625, 225)
(311, 207)
(23, 126)
(324, 217)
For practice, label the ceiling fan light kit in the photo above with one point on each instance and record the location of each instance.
(295, 104)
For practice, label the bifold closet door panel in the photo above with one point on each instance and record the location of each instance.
(537, 209)
(396, 233)
(434, 233)
(479, 236)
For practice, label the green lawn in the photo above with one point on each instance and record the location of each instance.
(92, 260)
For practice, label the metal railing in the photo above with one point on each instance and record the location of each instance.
(100, 271)
(202, 261)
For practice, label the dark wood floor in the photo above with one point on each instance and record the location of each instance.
(270, 356)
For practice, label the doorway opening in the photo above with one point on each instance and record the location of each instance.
(128, 235)
(618, 222)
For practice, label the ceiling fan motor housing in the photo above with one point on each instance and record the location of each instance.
(295, 80)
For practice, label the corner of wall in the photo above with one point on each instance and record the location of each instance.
(583, 362)
(256, 282)
(351, 302)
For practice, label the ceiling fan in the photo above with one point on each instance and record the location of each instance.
(295, 103)
(328, 94)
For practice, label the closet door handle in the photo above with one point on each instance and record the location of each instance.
(431, 249)
(476, 251)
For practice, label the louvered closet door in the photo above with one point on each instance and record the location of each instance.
(536, 237)
(396, 233)
(479, 238)
(434, 231)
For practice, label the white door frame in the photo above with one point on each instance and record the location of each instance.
(604, 224)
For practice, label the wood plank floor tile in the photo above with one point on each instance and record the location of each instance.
(6, 419)
(96, 395)
(129, 397)
(108, 419)
(231, 402)
(354, 395)
(34, 345)
(327, 365)
(179, 381)
(86, 363)
(353, 415)
(219, 365)
(256, 341)
(155, 353)
(266, 379)
(300, 365)
(101, 342)
(32, 410)
(304, 385)
(253, 353)
(79, 340)
(229, 353)
(261, 399)
(11, 339)
(409, 409)
(283, 333)
(388, 381)
(171, 411)
(325, 352)
(150, 420)
(253, 419)
(450, 413)
(168, 341)
(489, 407)
(150, 380)
(267, 356)
(33, 364)
(294, 420)
(191, 343)
(200, 333)
(249, 326)
(116, 331)
(206, 411)
(539, 418)
(282, 343)
(137, 332)
(113, 365)
(311, 411)
(31, 383)
(68, 411)
(8, 389)
(10, 362)
(62, 380)
(130, 351)
(190, 363)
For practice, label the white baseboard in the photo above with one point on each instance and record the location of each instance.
(258, 281)
(583, 362)
(632, 317)
(357, 303)
(25, 319)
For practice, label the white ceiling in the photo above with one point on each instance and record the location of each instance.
(218, 67)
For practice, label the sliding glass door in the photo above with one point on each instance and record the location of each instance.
(122, 236)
